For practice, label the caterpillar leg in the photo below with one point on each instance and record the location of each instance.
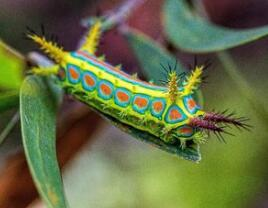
(45, 71)
(166, 135)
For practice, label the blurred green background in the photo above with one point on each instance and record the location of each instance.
(118, 171)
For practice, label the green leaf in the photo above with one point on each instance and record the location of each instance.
(194, 34)
(151, 55)
(189, 153)
(11, 68)
(38, 122)
(9, 100)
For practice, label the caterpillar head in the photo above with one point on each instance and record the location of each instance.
(192, 123)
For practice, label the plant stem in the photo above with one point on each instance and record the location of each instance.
(116, 16)
(11, 124)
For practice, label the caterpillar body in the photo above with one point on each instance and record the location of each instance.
(169, 112)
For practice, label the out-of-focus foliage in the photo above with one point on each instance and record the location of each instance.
(38, 121)
(151, 56)
(8, 100)
(11, 69)
(196, 35)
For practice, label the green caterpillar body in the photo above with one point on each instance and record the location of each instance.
(139, 104)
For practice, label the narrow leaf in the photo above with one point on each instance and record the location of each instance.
(194, 34)
(38, 122)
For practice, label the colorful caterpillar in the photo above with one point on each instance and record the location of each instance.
(169, 112)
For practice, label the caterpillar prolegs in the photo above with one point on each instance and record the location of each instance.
(168, 112)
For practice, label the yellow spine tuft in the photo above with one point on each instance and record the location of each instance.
(102, 58)
(45, 71)
(51, 49)
(193, 81)
(173, 86)
(92, 39)
(135, 76)
(118, 67)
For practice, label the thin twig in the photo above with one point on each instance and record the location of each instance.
(117, 16)
(11, 124)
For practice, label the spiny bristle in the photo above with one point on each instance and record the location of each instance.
(204, 124)
(209, 127)
(223, 117)
(217, 122)
(92, 39)
(191, 83)
(168, 69)
(50, 48)
(173, 86)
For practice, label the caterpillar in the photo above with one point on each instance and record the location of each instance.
(168, 112)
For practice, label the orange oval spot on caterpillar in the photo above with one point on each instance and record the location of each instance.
(74, 74)
(191, 104)
(122, 96)
(141, 102)
(89, 80)
(175, 114)
(185, 131)
(158, 106)
(105, 89)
